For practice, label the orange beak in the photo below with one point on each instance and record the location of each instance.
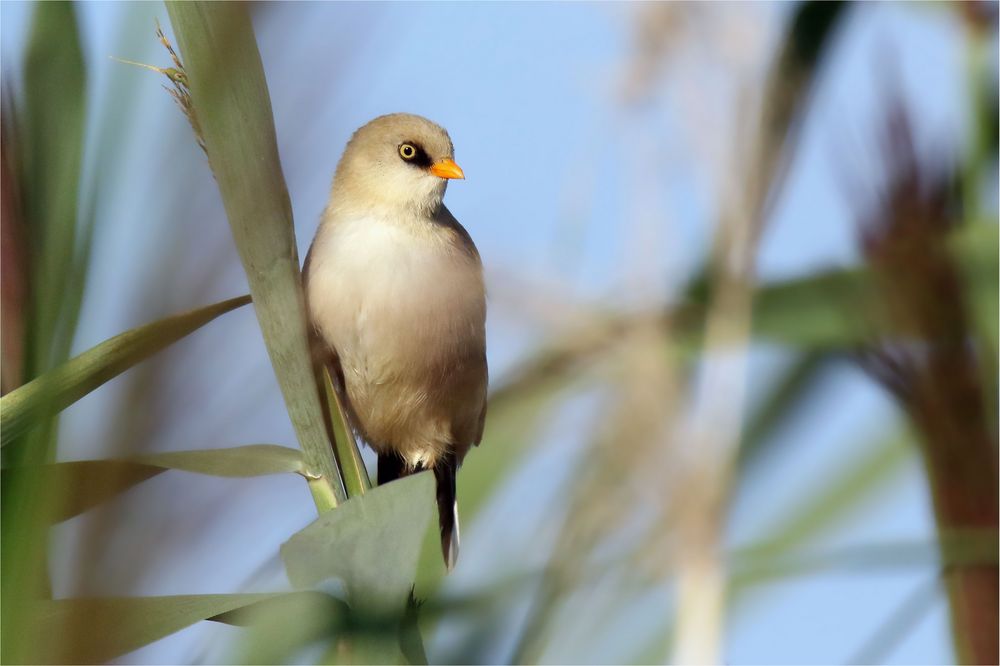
(447, 169)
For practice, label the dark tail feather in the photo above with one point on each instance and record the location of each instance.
(447, 502)
(390, 467)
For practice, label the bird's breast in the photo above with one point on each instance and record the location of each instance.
(394, 298)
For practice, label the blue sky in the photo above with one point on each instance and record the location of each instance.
(530, 95)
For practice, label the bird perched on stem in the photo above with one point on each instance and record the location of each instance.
(395, 291)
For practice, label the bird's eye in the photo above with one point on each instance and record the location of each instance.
(407, 151)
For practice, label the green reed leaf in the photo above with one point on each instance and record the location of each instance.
(59, 388)
(233, 110)
(84, 484)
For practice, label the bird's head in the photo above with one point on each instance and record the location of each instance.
(399, 161)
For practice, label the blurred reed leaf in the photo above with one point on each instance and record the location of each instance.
(105, 628)
(57, 389)
(789, 87)
(831, 311)
(732, 318)
(825, 311)
(794, 386)
(780, 552)
(845, 490)
(838, 310)
(755, 567)
(14, 259)
(53, 117)
(233, 109)
(86, 483)
(975, 248)
(282, 626)
(46, 152)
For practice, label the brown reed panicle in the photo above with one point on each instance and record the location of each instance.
(933, 371)
(980, 15)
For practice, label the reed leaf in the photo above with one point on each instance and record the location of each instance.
(53, 114)
(86, 483)
(975, 250)
(46, 153)
(371, 543)
(845, 490)
(96, 630)
(349, 459)
(970, 547)
(233, 109)
(782, 402)
(279, 628)
(827, 312)
(57, 389)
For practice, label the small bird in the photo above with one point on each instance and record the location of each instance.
(395, 292)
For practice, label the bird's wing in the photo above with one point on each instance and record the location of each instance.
(325, 359)
(461, 237)
(482, 411)
(481, 426)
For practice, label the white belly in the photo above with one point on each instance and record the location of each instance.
(401, 305)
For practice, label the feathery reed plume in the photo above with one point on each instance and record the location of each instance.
(178, 78)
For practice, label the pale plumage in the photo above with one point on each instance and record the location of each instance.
(395, 292)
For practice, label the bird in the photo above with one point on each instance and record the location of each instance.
(397, 304)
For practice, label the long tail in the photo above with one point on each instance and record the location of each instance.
(447, 501)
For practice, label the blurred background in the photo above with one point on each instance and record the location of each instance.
(707, 439)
